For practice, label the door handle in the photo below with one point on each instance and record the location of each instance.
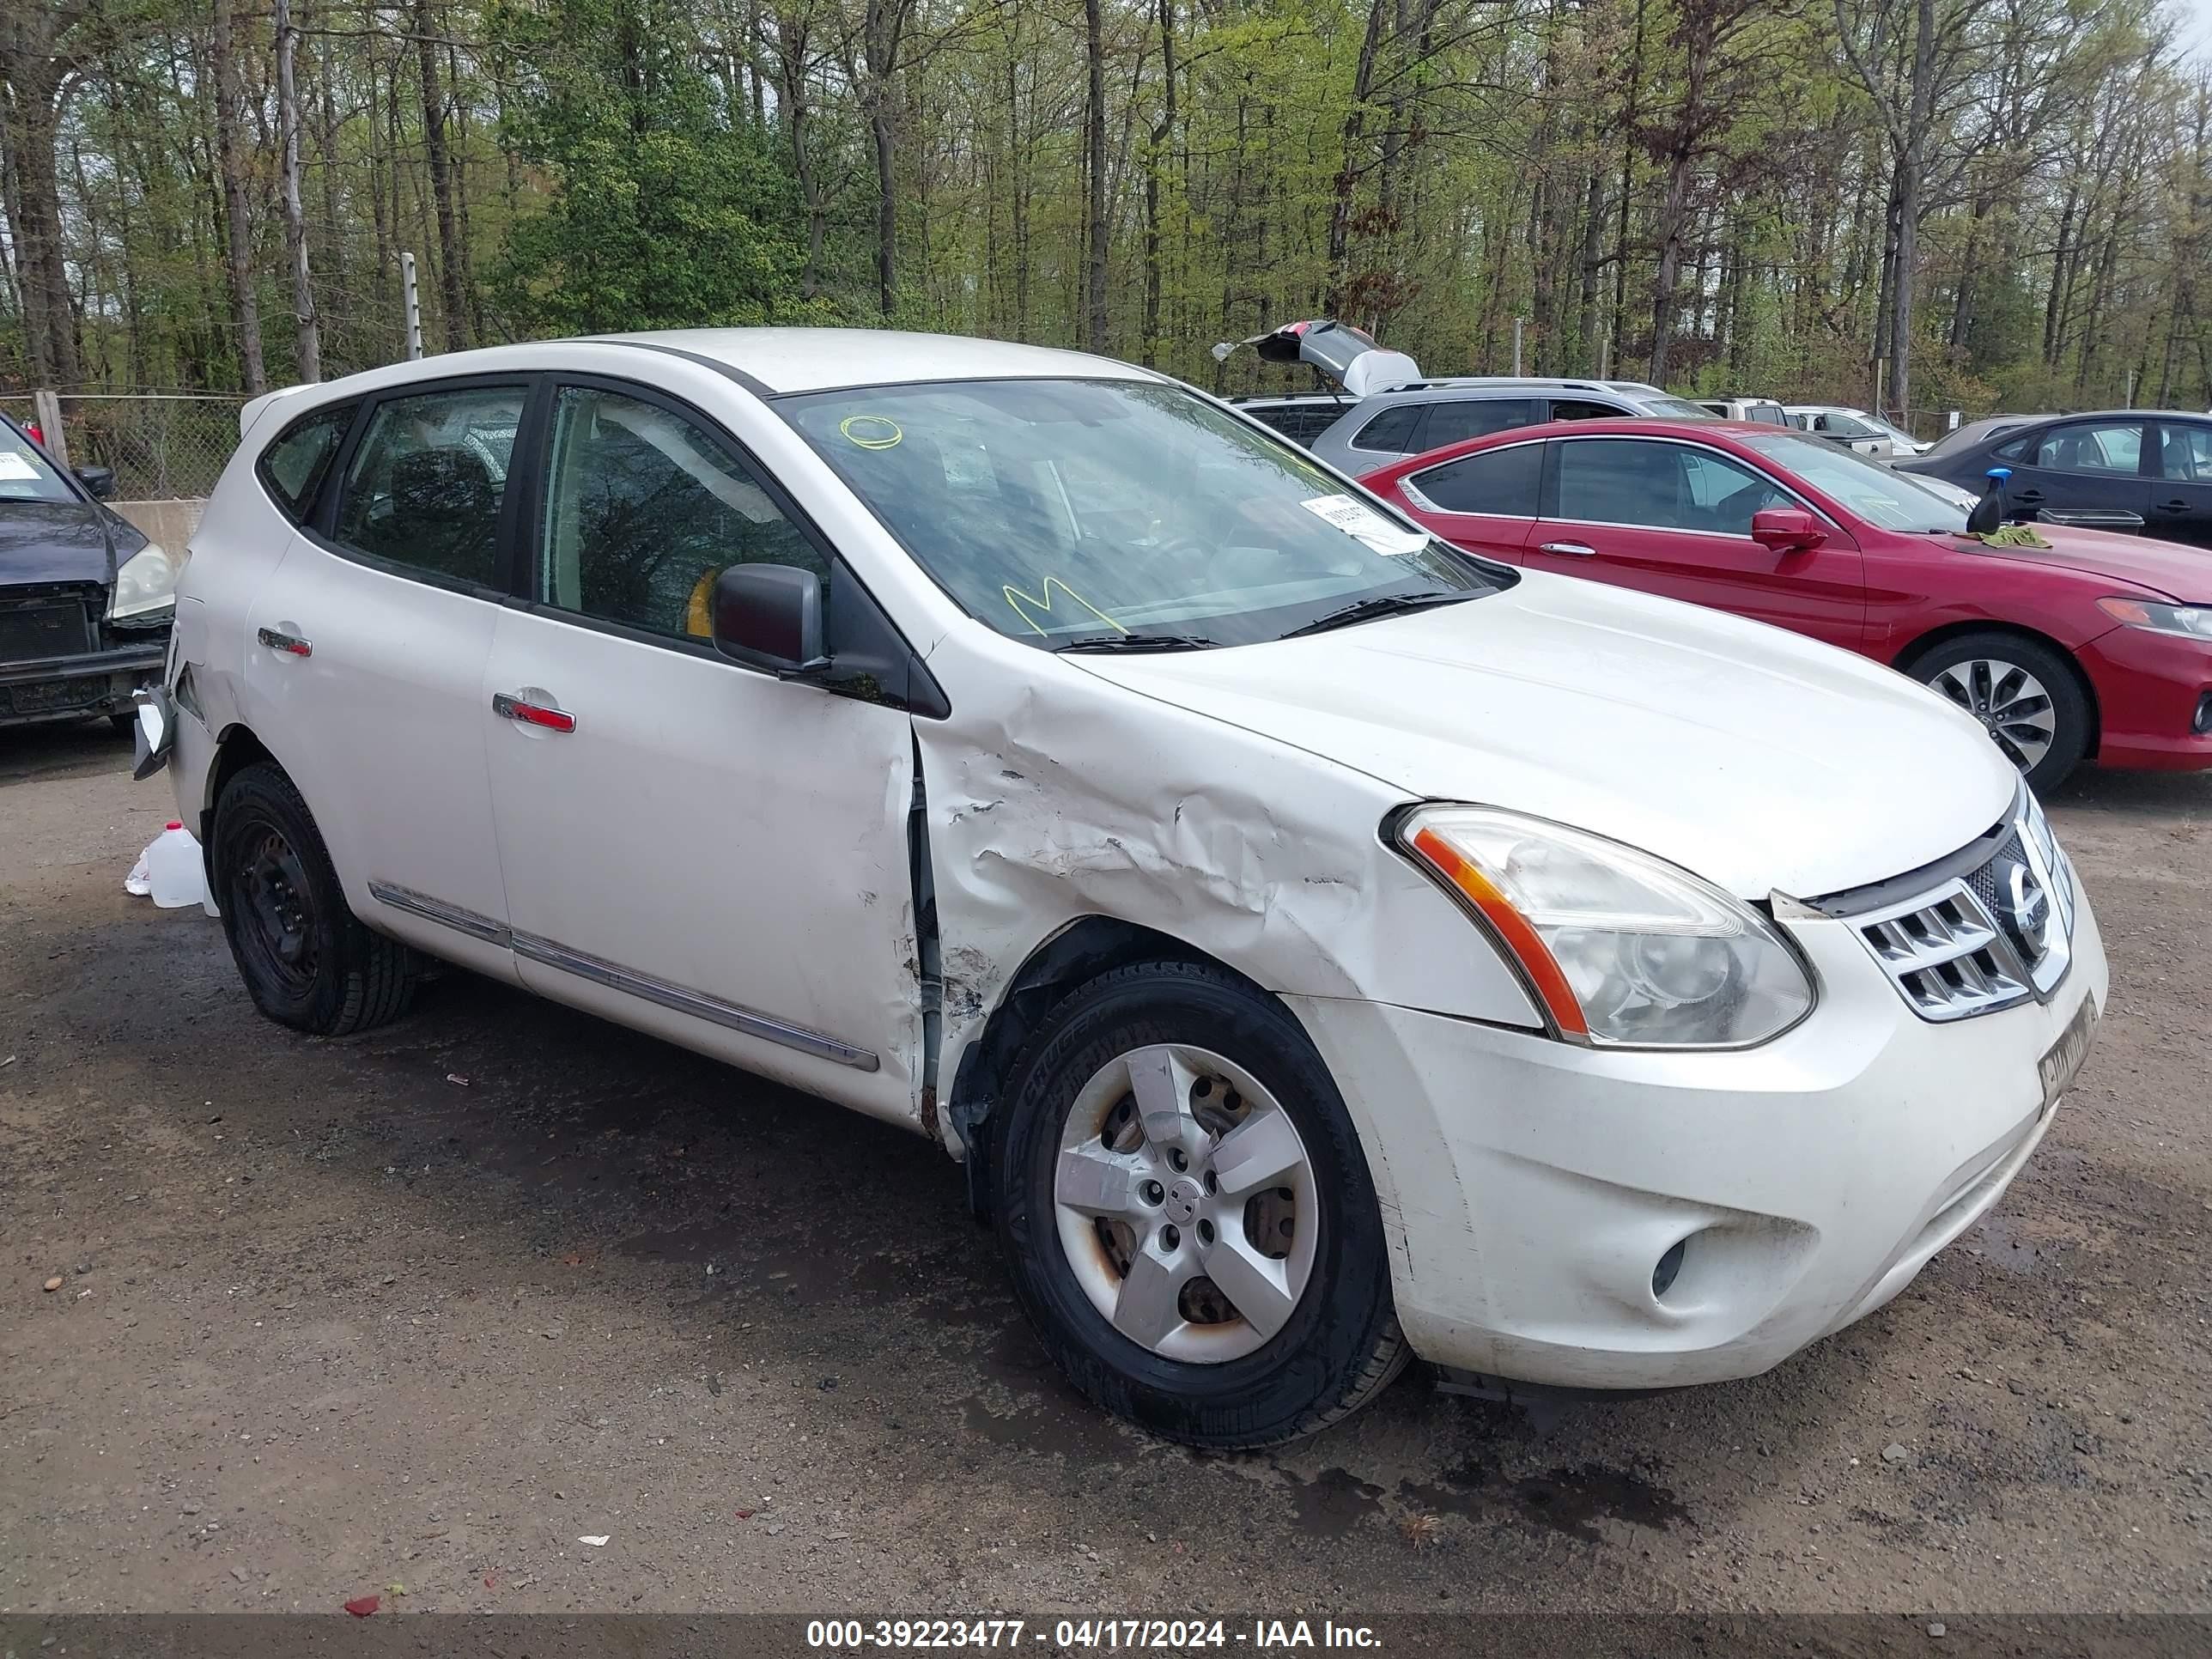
(509, 706)
(290, 644)
(2173, 506)
(2026, 497)
(1580, 549)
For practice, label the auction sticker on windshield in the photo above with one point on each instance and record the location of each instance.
(1355, 519)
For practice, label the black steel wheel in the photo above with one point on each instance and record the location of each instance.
(306, 960)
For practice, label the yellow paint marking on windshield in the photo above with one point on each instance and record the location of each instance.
(1016, 598)
(871, 431)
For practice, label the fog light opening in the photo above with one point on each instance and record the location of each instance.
(1670, 1265)
(2203, 724)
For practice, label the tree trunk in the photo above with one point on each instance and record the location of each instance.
(1162, 137)
(310, 346)
(1347, 175)
(1094, 132)
(32, 73)
(1911, 171)
(441, 182)
(238, 266)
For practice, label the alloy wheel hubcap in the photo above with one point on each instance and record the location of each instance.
(2010, 702)
(1186, 1203)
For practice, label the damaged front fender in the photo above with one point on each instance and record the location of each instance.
(1054, 797)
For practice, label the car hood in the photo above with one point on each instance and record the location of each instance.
(1757, 759)
(2132, 561)
(52, 542)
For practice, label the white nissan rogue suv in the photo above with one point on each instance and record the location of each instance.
(1321, 946)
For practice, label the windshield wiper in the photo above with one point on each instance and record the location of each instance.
(1135, 642)
(1378, 604)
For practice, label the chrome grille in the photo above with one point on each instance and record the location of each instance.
(1976, 938)
(1945, 955)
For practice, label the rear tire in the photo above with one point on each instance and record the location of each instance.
(2028, 696)
(306, 960)
(1323, 1338)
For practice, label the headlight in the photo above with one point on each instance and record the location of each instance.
(1621, 947)
(147, 582)
(2190, 621)
(2055, 861)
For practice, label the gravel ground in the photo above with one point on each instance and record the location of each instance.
(423, 1307)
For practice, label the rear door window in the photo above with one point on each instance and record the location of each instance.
(1476, 417)
(1391, 432)
(2185, 452)
(428, 479)
(1497, 482)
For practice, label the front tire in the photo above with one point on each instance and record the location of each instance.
(2027, 695)
(306, 960)
(1187, 1213)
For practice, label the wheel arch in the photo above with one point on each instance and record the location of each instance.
(1937, 637)
(237, 749)
(1085, 948)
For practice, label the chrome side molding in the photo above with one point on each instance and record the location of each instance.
(437, 910)
(628, 981)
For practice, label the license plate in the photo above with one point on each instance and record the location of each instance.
(2062, 1061)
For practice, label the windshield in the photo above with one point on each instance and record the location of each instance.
(1675, 409)
(24, 474)
(1878, 494)
(1099, 511)
(1886, 430)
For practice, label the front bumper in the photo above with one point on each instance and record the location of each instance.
(2150, 688)
(1531, 1187)
(75, 686)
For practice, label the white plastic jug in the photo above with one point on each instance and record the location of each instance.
(173, 867)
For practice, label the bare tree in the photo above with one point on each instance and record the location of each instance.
(238, 268)
(310, 347)
(1094, 130)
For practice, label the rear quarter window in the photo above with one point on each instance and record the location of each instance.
(292, 469)
(1300, 423)
(1497, 482)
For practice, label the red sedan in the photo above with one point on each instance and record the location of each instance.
(2097, 647)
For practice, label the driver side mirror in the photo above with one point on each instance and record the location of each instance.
(1787, 530)
(98, 482)
(769, 617)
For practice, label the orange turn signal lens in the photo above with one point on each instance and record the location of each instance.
(2127, 611)
(1512, 929)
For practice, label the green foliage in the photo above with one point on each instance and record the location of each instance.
(658, 212)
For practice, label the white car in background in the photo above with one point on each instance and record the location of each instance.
(1321, 947)
(1854, 428)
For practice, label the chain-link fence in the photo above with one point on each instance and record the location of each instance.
(161, 446)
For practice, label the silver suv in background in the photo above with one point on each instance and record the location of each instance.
(1412, 420)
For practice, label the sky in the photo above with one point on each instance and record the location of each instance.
(2196, 24)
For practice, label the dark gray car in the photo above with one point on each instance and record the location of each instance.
(2142, 469)
(85, 600)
